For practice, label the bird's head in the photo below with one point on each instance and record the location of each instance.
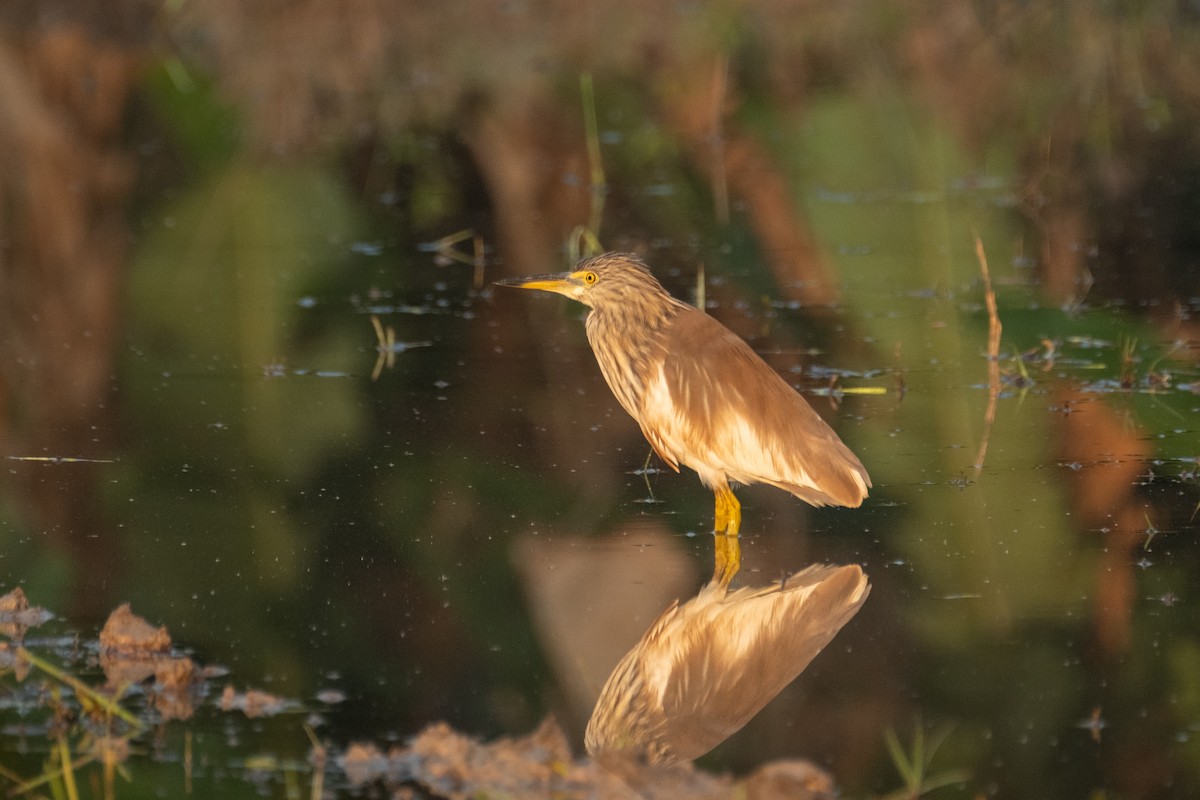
(604, 281)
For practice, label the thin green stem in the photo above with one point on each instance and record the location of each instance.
(598, 182)
(85, 693)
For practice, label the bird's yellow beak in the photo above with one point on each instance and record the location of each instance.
(564, 283)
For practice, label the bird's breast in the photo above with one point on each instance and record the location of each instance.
(628, 356)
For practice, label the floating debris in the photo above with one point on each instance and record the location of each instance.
(132, 651)
(255, 703)
(1090, 342)
(1094, 724)
(452, 765)
(62, 459)
(13, 658)
(331, 697)
(275, 369)
(176, 687)
(366, 248)
(364, 763)
(839, 391)
(127, 632)
(445, 252)
(17, 616)
(388, 347)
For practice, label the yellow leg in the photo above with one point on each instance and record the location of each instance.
(727, 549)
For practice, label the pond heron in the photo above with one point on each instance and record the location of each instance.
(703, 398)
(704, 668)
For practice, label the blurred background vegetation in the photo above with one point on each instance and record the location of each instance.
(202, 204)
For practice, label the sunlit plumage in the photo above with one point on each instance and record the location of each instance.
(704, 668)
(703, 398)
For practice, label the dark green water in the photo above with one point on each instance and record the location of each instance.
(472, 537)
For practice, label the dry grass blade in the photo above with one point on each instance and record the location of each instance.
(444, 248)
(52, 775)
(187, 762)
(720, 179)
(585, 239)
(318, 759)
(385, 346)
(68, 769)
(595, 164)
(993, 353)
(583, 243)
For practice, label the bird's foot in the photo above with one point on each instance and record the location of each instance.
(727, 553)
(727, 550)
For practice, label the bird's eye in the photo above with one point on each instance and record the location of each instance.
(589, 278)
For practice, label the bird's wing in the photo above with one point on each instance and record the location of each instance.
(735, 414)
(704, 668)
(628, 716)
(733, 658)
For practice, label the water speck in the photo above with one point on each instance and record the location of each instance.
(367, 248)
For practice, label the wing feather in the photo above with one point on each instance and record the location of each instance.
(732, 411)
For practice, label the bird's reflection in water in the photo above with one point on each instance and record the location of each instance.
(704, 668)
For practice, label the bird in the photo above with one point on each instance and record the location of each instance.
(703, 669)
(703, 398)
